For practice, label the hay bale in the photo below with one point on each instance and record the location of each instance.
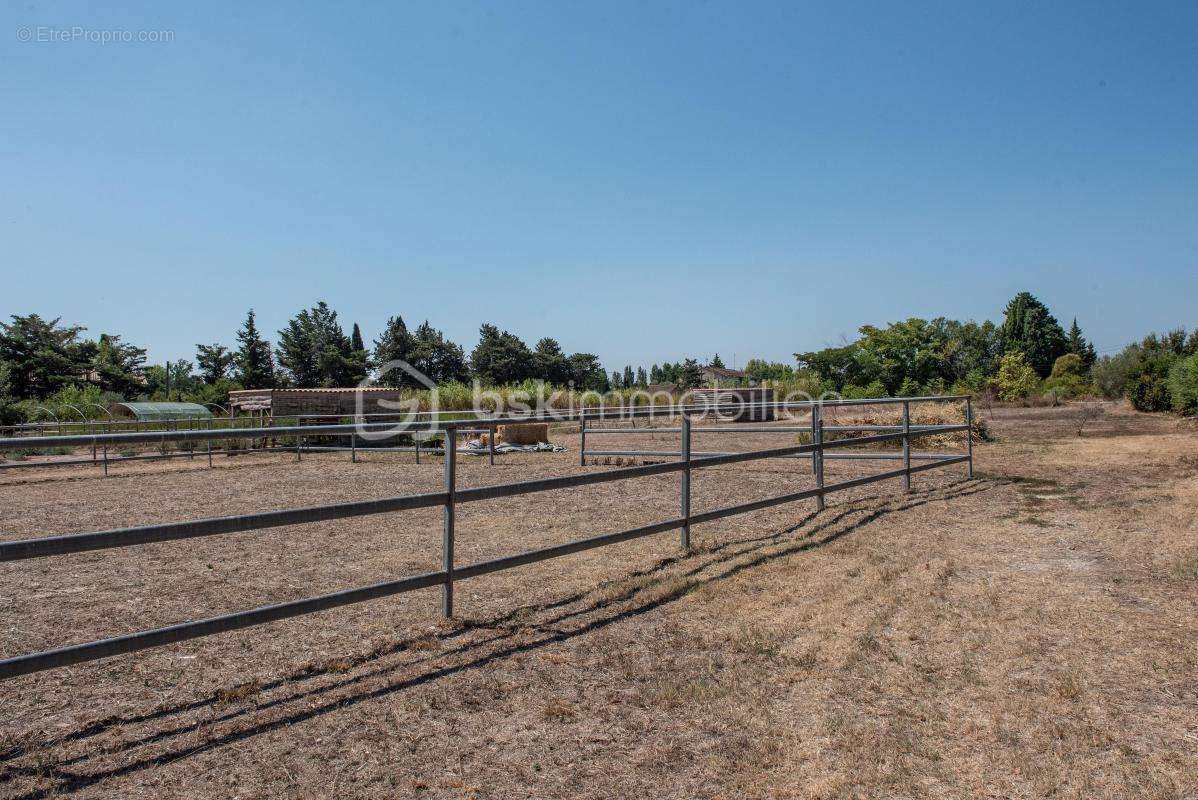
(526, 433)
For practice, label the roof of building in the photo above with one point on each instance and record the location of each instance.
(161, 410)
(328, 390)
(723, 372)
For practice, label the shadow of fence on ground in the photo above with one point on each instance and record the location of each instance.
(473, 643)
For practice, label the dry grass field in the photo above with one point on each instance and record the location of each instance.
(1028, 633)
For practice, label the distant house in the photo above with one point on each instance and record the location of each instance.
(720, 376)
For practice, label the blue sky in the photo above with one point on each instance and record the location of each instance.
(645, 181)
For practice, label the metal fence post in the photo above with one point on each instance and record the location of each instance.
(105, 459)
(906, 446)
(969, 437)
(582, 443)
(491, 434)
(447, 523)
(817, 455)
(685, 538)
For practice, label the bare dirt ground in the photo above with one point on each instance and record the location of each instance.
(1029, 633)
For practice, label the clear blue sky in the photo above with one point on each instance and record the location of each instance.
(641, 180)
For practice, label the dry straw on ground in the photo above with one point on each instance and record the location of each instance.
(1029, 633)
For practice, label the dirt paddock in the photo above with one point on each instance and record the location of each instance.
(1028, 633)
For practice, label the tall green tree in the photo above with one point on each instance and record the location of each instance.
(10, 412)
(717, 362)
(1080, 346)
(115, 366)
(437, 357)
(1029, 328)
(1148, 389)
(358, 361)
(255, 365)
(904, 354)
(314, 351)
(839, 366)
(642, 377)
(550, 362)
(299, 351)
(395, 343)
(761, 370)
(214, 361)
(172, 381)
(501, 357)
(628, 379)
(42, 355)
(690, 376)
(587, 373)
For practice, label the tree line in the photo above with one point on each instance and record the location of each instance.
(1027, 356)
(44, 358)
(917, 356)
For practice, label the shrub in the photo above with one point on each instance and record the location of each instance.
(1056, 395)
(935, 387)
(11, 413)
(1149, 390)
(1016, 378)
(1068, 365)
(1113, 375)
(853, 392)
(1068, 379)
(1183, 385)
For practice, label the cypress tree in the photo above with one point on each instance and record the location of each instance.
(1029, 328)
(254, 363)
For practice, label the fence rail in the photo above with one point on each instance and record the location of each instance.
(448, 499)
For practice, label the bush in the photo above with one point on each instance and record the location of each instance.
(71, 401)
(935, 387)
(1112, 375)
(1183, 385)
(803, 383)
(1149, 390)
(11, 413)
(1067, 366)
(854, 392)
(1067, 380)
(1016, 378)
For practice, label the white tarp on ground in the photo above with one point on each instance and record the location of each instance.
(477, 447)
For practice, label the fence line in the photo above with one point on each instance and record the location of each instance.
(448, 500)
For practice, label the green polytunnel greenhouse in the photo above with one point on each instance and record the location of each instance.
(159, 411)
